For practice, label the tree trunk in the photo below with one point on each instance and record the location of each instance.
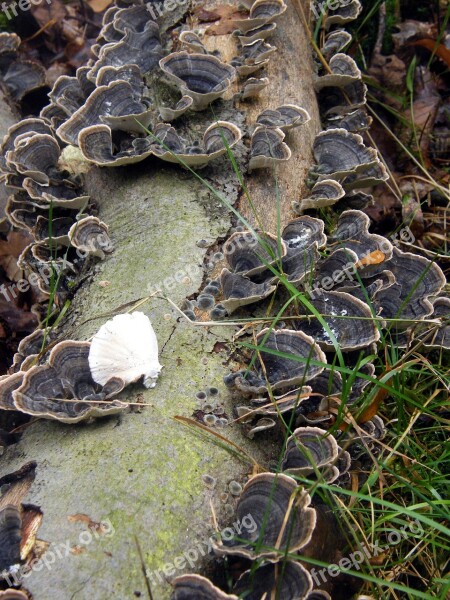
(143, 471)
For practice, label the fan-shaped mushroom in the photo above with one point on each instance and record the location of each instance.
(344, 71)
(335, 42)
(142, 48)
(113, 104)
(343, 13)
(440, 337)
(192, 41)
(62, 194)
(61, 389)
(11, 594)
(125, 346)
(287, 580)
(196, 587)
(30, 346)
(282, 520)
(35, 156)
(8, 384)
(349, 320)
(252, 87)
(252, 57)
(342, 100)
(301, 233)
(10, 537)
(280, 404)
(310, 449)
(90, 235)
(96, 144)
(298, 264)
(417, 279)
(267, 148)
(339, 153)
(286, 359)
(22, 129)
(201, 76)
(355, 121)
(324, 193)
(239, 290)
(170, 114)
(284, 117)
(248, 254)
(261, 13)
(352, 233)
(259, 33)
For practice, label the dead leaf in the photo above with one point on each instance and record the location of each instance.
(82, 518)
(99, 5)
(224, 17)
(374, 258)
(440, 50)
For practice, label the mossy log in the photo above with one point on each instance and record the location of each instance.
(143, 471)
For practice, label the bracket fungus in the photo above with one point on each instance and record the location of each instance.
(284, 117)
(302, 232)
(286, 359)
(281, 404)
(192, 41)
(252, 87)
(311, 450)
(344, 71)
(324, 193)
(352, 233)
(29, 347)
(64, 390)
(11, 594)
(247, 254)
(267, 148)
(417, 281)
(238, 290)
(299, 264)
(170, 114)
(349, 321)
(288, 580)
(90, 235)
(355, 121)
(115, 105)
(262, 12)
(258, 33)
(96, 145)
(196, 587)
(440, 336)
(8, 385)
(335, 42)
(342, 100)
(10, 537)
(289, 528)
(344, 12)
(18, 75)
(252, 57)
(340, 153)
(35, 156)
(201, 76)
(125, 347)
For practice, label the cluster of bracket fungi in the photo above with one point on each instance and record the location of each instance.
(362, 286)
(109, 112)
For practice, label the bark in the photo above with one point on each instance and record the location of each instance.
(143, 471)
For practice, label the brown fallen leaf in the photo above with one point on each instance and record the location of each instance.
(99, 5)
(223, 17)
(374, 258)
(82, 518)
(440, 50)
